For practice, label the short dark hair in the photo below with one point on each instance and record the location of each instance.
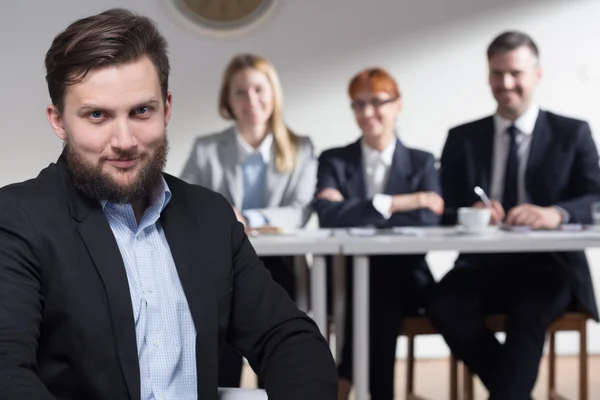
(116, 36)
(511, 40)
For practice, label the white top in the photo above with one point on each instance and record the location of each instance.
(244, 149)
(376, 168)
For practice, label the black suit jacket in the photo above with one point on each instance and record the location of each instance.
(66, 319)
(342, 169)
(562, 170)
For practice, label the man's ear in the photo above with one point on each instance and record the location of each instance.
(56, 121)
(168, 104)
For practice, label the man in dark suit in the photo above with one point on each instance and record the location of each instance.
(541, 171)
(377, 181)
(118, 281)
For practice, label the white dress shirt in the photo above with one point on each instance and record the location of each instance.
(525, 125)
(376, 169)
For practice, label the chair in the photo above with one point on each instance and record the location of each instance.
(571, 321)
(421, 325)
(242, 394)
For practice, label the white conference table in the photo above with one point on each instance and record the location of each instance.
(363, 244)
(241, 394)
(319, 243)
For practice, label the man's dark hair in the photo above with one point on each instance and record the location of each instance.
(509, 41)
(114, 37)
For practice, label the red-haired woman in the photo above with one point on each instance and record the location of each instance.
(377, 181)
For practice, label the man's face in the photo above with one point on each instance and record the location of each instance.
(114, 124)
(513, 77)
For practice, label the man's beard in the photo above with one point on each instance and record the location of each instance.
(100, 186)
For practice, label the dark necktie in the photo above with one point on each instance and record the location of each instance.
(511, 175)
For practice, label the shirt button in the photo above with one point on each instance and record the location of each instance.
(149, 290)
(155, 342)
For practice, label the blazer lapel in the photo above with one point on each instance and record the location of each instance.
(228, 155)
(537, 150)
(355, 178)
(97, 236)
(480, 155)
(191, 250)
(399, 180)
(276, 184)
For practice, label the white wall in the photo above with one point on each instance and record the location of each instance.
(435, 49)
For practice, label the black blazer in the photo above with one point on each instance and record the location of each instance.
(66, 319)
(562, 170)
(342, 169)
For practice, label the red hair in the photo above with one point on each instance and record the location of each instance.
(374, 80)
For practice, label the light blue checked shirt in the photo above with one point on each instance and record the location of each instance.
(164, 329)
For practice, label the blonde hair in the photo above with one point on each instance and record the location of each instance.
(286, 142)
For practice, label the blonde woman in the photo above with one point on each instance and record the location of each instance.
(267, 172)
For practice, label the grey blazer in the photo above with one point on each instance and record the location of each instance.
(213, 163)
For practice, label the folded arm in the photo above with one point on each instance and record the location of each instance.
(297, 211)
(419, 208)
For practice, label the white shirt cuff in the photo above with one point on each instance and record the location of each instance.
(383, 204)
(255, 218)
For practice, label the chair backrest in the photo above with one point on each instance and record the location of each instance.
(570, 321)
(242, 394)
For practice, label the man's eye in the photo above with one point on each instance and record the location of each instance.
(141, 110)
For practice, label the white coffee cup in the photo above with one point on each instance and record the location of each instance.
(474, 220)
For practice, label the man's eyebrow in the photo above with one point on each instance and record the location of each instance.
(86, 107)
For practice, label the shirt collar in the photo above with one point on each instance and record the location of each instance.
(525, 123)
(245, 149)
(160, 196)
(372, 156)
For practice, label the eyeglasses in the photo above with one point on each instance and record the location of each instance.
(359, 105)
